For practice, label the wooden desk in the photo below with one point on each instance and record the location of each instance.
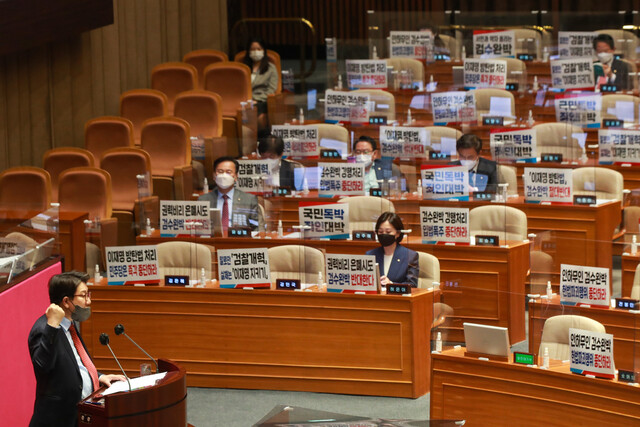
(71, 234)
(277, 340)
(624, 326)
(481, 284)
(488, 393)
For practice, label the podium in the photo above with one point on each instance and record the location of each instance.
(164, 404)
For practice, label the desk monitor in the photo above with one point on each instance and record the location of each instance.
(216, 222)
(486, 339)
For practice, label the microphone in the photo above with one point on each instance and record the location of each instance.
(119, 330)
(104, 340)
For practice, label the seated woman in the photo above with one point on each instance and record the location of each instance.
(397, 263)
(264, 77)
(281, 170)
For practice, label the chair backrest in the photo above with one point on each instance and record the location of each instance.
(631, 217)
(439, 132)
(124, 164)
(202, 110)
(528, 41)
(184, 259)
(296, 262)
(327, 131)
(541, 264)
(230, 80)
(555, 334)
(429, 270)
(365, 210)
(560, 138)
(202, 58)
(85, 189)
(452, 44)
(166, 139)
(139, 105)
(103, 133)
(624, 41)
(508, 175)
(504, 221)
(25, 188)
(483, 101)
(635, 289)
(59, 159)
(273, 57)
(171, 78)
(516, 72)
(385, 102)
(602, 182)
(618, 106)
(409, 65)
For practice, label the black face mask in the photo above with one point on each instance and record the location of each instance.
(386, 239)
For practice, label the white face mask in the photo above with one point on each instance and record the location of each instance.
(605, 57)
(469, 164)
(367, 159)
(224, 181)
(256, 55)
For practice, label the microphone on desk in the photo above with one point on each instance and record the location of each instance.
(104, 340)
(119, 330)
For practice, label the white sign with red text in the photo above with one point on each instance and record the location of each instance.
(341, 179)
(493, 44)
(584, 285)
(351, 273)
(410, 44)
(366, 73)
(346, 106)
(591, 353)
(406, 142)
(444, 224)
(547, 185)
(127, 265)
(299, 140)
(181, 217)
(482, 73)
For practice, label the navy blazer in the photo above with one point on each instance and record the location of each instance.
(58, 380)
(404, 266)
(488, 168)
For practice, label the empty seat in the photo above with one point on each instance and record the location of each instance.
(296, 262)
(483, 99)
(507, 175)
(139, 105)
(559, 138)
(202, 58)
(622, 107)
(25, 188)
(57, 160)
(516, 72)
(555, 334)
(184, 259)
(385, 102)
(528, 41)
(364, 211)
(413, 68)
(542, 269)
(506, 222)
(429, 270)
(171, 78)
(103, 133)
(439, 132)
(602, 182)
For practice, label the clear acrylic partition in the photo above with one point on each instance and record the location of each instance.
(27, 239)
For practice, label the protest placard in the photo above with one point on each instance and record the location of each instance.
(445, 182)
(351, 273)
(482, 73)
(444, 224)
(572, 73)
(584, 285)
(343, 179)
(406, 142)
(453, 107)
(513, 145)
(591, 353)
(575, 44)
(493, 44)
(325, 220)
(411, 44)
(619, 146)
(346, 106)
(366, 73)
(253, 176)
(127, 265)
(184, 218)
(580, 109)
(300, 141)
(547, 185)
(242, 268)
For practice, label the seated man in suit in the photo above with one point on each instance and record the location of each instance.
(615, 72)
(375, 167)
(281, 170)
(483, 173)
(64, 371)
(237, 208)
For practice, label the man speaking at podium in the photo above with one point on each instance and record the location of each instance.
(64, 371)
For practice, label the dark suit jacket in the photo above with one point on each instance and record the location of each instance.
(621, 69)
(404, 266)
(59, 384)
(287, 174)
(245, 206)
(488, 168)
(385, 168)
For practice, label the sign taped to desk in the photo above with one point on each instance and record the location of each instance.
(411, 44)
(484, 73)
(184, 218)
(619, 146)
(445, 182)
(253, 176)
(406, 142)
(572, 73)
(493, 44)
(346, 106)
(128, 265)
(453, 107)
(444, 225)
(548, 185)
(243, 268)
(351, 273)
(326, 220)
(580, 109)
(513, 145)
(591, 353)
(575, 44)
(300, 141)
(341, 179)
(585, 285)
(366, 73)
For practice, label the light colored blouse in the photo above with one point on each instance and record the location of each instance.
(264, 84)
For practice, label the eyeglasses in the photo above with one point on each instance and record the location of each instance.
(85, 296)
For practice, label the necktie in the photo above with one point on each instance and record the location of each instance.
(225, 215)
(84, 357)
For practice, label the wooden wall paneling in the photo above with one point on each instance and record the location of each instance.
(39, 105)
(62, 109)
(81, 87)
(186, 32)
(172, 30)
(98, 72)
(109, 64)
(4, 123)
